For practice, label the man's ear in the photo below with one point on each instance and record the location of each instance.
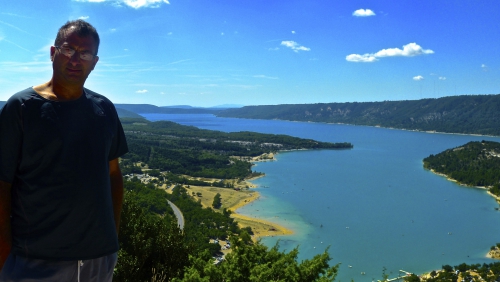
(52, 53)
(96, 59)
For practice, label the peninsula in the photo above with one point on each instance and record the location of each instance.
(207, 165)
(475, 164)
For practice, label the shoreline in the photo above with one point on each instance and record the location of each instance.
(491, 255)
(497, 198)
(375, 126)
(260, 227)
(241, 195)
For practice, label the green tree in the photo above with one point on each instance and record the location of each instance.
(245, 237)
(254, 262)
(152, 248)
(412, 278)
(447, 268)
(217, 203)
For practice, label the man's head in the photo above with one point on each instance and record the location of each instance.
(81, 28)
(74, 54)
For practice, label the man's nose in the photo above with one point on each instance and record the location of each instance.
(75, 59)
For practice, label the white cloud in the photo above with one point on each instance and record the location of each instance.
(136, 4)
(418, 77)
(484, 66)
(84, 17)
(295, 46)
(293, 31)
(363, 13)
(366, 58)
(442, 78)
(264, 76)
(141, 91)
(409, 50)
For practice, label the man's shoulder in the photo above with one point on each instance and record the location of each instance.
(25, 94)
(20, 98)
(96, 96)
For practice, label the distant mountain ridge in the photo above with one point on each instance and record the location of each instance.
(148, 109)
(466, 114)
(218, 107)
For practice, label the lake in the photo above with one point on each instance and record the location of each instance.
(375, 205)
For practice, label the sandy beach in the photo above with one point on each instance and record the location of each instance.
(233, 200)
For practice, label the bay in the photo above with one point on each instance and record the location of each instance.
(375, 205)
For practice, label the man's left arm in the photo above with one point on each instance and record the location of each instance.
(116, 178)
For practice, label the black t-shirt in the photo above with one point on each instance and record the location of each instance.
(56, 155)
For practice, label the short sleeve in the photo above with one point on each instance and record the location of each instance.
(11, 136)
(119, 143)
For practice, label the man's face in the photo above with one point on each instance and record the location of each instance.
(73, 70)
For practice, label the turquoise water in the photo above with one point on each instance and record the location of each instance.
(374, 205)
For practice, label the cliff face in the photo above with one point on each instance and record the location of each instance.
(472, 114)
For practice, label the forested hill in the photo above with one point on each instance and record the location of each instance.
(468, 114)
(187, 150)
(474, 164)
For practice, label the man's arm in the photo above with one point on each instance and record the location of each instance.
(116, 178)
(5, 228)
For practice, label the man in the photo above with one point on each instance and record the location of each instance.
(61, 187)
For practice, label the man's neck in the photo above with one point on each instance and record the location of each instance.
(55, 92)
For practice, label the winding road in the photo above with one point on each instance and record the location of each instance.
(178, 214)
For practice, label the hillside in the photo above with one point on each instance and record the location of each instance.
(181, 149)
(147, 109)
(473, 164)
(122, 113)
(468, 114)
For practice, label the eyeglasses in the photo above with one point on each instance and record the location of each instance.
(69, 52)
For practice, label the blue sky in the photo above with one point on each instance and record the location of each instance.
(208, 53)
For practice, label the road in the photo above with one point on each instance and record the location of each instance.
(178, 214)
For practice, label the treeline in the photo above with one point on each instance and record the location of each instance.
(487, 272)
(180, 149)
(474, 164)
(467, 114)
(153, 248)
(201, 224)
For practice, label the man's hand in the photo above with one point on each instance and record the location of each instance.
(115, 175)
(5, 228)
